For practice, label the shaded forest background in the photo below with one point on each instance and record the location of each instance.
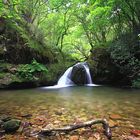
(39, 39)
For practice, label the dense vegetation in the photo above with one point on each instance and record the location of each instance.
(40, 39)
(61, 31)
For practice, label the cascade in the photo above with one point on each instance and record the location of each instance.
(65, 80)
(88, 75)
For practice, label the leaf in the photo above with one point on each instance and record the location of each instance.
(135, 132)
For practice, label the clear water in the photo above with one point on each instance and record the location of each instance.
(83, 103)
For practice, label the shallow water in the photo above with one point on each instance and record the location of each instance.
(72, 103)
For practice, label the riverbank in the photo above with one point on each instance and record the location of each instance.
(20, 76)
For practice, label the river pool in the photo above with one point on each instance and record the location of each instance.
(64, 106)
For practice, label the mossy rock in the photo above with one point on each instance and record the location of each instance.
(103, 70)
(11, 126)
(10, 79)
(5, 118)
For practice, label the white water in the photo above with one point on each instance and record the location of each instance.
(90, 83)
(65, 79)
(88, 74)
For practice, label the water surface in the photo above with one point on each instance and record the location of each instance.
(66, 105)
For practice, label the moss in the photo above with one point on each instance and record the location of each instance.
(5, 66)
(56, 70)
(11, 125)
(136, 83)
(2, 75)
(103, 71)
(9, 76)
(1, 50)
(14, 78)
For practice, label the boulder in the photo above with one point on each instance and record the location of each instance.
(102, 68)
(11, 125)
(5, 118)
(78, 74)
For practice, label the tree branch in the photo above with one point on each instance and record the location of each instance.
(54, 131)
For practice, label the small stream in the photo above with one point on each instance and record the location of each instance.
(72, 103)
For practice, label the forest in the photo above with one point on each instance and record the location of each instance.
(59, 33)
(40, 40)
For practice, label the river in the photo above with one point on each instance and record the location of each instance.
(66, 105)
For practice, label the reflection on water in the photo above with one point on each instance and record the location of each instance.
(111, 99)
(86, 102)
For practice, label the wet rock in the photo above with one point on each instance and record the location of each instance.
(57, 122)
(59, 113)
(135, 132)
(113, 123)
(115, 117)
(11, 125)
(24, 126)
(13, 70)
(5, 118)
(1, 122)
(39, 120)
(26, 115)
(103, 70)
(74, 138)
(132, 138)
(91, 138)
(78, 74)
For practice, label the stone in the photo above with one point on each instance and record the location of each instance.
(26, 115)
(11, 126)
(91, 138)
(132, 138)
(115, 117)
(113, 123)
(5, 118)
(135, 132)
(78, 74)
(103, 70)
(74, 137)
(59, 113)
(1, 122)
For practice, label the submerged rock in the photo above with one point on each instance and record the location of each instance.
(5, 118)
(115, 117)
(135, 132)
(74, 137)
(1, 122)
(11, 125)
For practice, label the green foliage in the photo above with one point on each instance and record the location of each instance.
(57, 69)
(31, 71)
(136, 83)
(2, 75)
(68, 30)
(125, 53)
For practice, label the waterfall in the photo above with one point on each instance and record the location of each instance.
(88, 74)
(65, 79)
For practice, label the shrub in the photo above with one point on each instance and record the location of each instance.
(31, 71)
(136, 83)
(125, 54)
